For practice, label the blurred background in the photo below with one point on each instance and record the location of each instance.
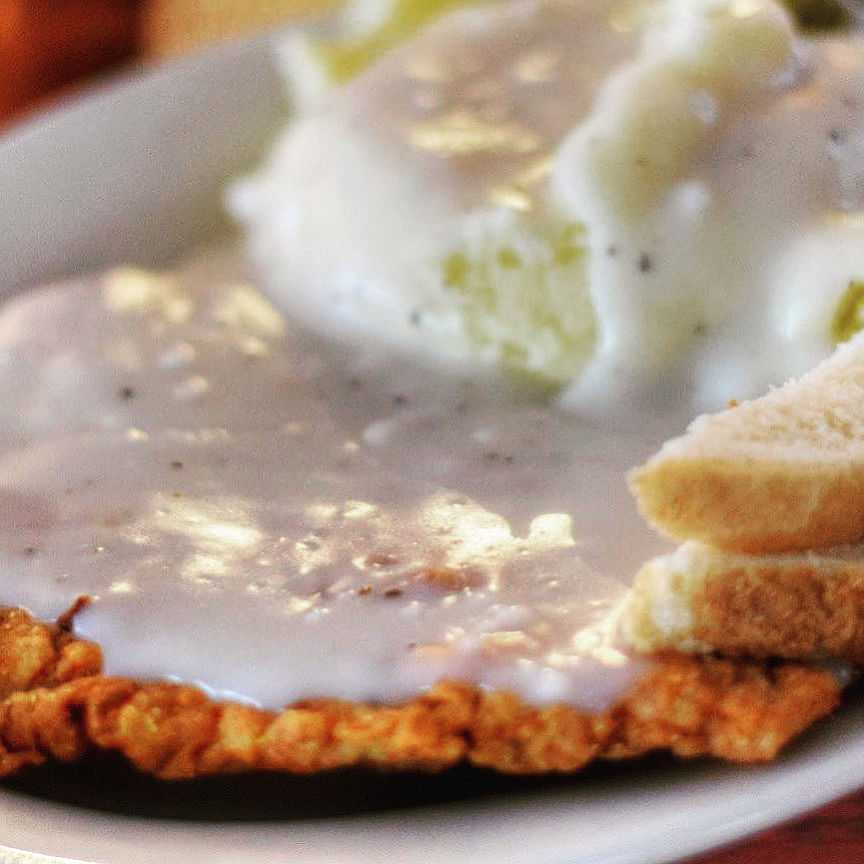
(50, 49)
(53, 48)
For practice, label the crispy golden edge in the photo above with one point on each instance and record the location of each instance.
(34, 655)
(56, 706)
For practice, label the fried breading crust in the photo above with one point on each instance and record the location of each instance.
(54, 704)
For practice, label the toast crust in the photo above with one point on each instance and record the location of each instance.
(801, 607)
(55, 705)
(781, 473)
(750, 506)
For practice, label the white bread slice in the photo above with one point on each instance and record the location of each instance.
(699, 599)
(781, 473)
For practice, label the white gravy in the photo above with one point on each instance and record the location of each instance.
(254, 511)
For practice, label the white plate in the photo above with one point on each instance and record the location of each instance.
(134, 175)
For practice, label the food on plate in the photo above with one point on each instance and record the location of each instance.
(502, 266)
(281, 521)
(366, 31)
(801, 605)
(778, 474)
(779, 478)
(571, 180)
(59, 709)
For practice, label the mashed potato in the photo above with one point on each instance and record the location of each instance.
(629, 202)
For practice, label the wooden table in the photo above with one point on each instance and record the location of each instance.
(48, 45)
(832, 835)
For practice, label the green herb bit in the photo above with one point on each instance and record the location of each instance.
(849, 315)
(346, 59)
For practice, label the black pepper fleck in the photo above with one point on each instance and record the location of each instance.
(837, 136)
(416, 318)
(355, 383)
(177, 465)
(393, 592)
(646, 263)
(126, 393)
(611, 250)
(399, 400)
(30, 551)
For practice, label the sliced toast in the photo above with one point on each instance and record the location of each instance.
(781, 473)
(701, 600)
